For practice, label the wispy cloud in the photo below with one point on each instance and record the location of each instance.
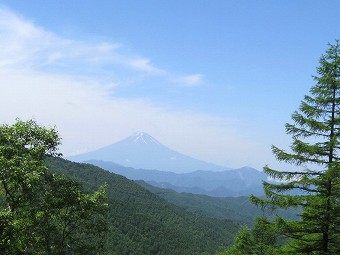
(30, 46)
(144, 64)
(191, 80)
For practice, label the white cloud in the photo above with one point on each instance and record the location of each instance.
(191, 80)
(30, 46)
(26, 45)
(143, 64)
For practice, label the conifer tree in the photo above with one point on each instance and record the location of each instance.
(262, 239)
(315, 185)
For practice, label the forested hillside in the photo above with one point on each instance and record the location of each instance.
(238, 209)
(142, 223)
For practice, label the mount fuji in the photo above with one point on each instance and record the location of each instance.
(143, 151)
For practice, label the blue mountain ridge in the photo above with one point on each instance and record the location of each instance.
(229, 183)
(142, 157)
(143, 151)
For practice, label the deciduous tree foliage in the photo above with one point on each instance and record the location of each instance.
(41, 212)
(262, 239)
(316, 189)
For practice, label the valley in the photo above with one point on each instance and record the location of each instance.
(141, 222)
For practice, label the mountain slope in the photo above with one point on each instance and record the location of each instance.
(143, 151)
(237, 182)
(238, 209)
(143, 223)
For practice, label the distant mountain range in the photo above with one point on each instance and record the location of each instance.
(142, 157)
(229, 183)
(143, 151)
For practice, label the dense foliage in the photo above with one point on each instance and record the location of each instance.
(237, 209)
(40, 212)
(142, 223)
(316, 144)
(262, 239)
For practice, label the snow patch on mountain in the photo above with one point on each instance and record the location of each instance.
(142, 137)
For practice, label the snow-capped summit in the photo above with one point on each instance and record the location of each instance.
(143, 151)
(144, 138)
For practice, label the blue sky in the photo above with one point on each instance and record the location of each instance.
(216, 80)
